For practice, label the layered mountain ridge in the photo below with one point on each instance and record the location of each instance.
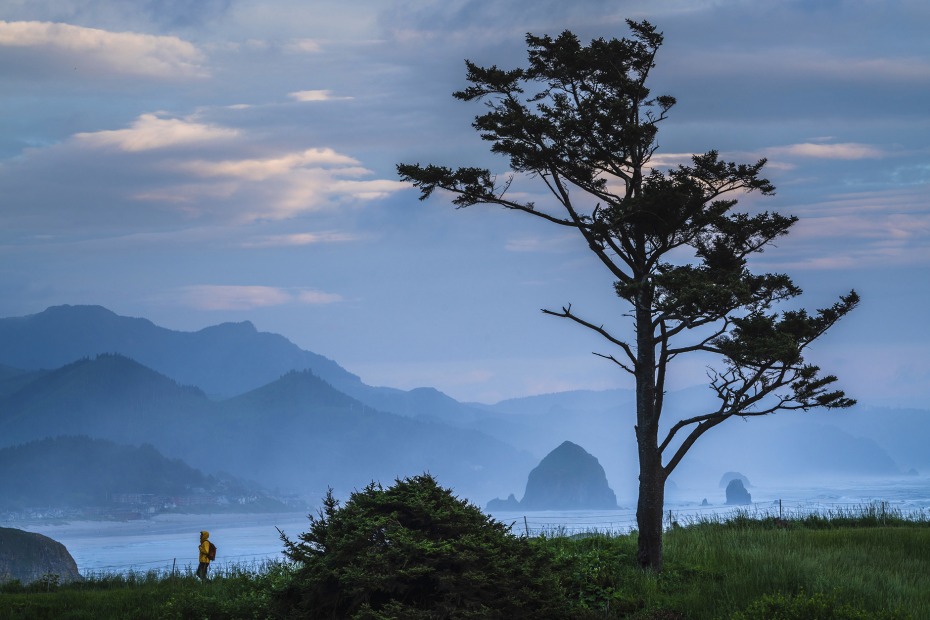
(231, 398)
(296, 432)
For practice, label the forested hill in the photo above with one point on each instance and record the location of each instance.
(222, 360)
(296, 433)
(74, 472)
(110, 397)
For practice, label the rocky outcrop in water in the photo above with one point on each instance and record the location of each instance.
(27, 557)
(737, 495)
(568, 478)
(503, 505)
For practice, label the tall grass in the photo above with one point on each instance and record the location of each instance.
(875, 568)
(870, 560)
(233, 591)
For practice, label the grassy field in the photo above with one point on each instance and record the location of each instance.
(833, 567)
(714, 570)
(232, 592)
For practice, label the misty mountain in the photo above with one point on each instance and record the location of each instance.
(560, 403)
(8, 372)
(80, 471)
(334, 429)
(793, 448)
(12, 379)
(297, 432)
(425, 402)
(110, 397)
(223, 360)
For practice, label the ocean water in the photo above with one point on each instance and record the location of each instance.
(907, 497)
(170, 541)
(164, 542)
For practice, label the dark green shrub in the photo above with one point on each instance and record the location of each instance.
(414, 550)
(809, 607)
(594, 570)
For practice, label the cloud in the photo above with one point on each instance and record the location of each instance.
(845, 151)
(776, 61)
(141, 14)
(143, 172)
(562, 243)
(104, 52)
(150, 131)
(905, 69)
(311, 297)
(368, 190)
(305, 46)
(301, 239)
(224, 297)
(262, 169)
(306, 96)
(663, 161)
(861, 230)
(311, 189)
(283, 186)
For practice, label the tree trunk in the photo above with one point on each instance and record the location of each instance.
(650, 508)
(651, 502)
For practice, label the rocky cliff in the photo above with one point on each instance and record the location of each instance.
(28, 557)
(568, 478)
(737, 495)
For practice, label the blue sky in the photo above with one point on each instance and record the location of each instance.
(200, 161)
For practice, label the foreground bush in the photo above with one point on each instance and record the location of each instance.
(414, 550)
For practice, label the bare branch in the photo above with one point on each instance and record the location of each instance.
(566, 313)
(616, 361)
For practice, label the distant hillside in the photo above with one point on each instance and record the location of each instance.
(110, 397)
(80, 471)
(13, 379)
(7, 372)
(223, 360)
(323, 437)
(277, 413)
(297, 432)
(226, 359)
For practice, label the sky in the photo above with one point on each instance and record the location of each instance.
(195, 162)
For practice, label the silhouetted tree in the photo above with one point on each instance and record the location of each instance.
(581, 121)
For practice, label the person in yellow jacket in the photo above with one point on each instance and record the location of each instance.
(204, 549)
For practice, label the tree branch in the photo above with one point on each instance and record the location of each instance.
(566, 313)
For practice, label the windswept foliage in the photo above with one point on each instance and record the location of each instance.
(414, 550)
(581, 120)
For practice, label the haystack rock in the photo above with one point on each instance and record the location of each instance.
(737, 495)
(28, 557)
(568, 478)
